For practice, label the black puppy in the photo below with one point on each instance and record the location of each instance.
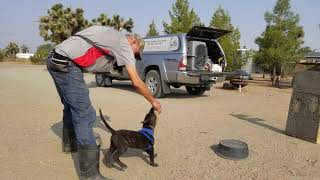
(121, 140)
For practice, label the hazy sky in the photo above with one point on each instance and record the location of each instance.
(19, 19)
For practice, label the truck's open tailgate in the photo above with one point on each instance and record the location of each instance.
(217, 74)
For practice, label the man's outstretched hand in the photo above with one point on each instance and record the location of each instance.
(142, 88)
(157, 106)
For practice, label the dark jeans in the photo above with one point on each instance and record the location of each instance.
(78, 112)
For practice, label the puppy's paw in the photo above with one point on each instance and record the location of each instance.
(109, 164)
(123, 166)
(154, 165)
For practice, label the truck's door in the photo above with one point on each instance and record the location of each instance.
(140, 64)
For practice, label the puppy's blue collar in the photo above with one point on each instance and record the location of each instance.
(148, 133)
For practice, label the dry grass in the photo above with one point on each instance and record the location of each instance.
(15, 61)
(257, 79)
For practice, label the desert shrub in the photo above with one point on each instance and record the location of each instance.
(37, 59)
(1, 55)
(11, 50)
(41, 54)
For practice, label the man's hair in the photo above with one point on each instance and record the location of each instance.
(139, 39)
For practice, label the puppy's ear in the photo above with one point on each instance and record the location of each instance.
(151, 110)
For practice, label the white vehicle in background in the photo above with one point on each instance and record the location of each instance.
(24, 55)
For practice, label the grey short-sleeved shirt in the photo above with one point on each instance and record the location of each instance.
(105, 37)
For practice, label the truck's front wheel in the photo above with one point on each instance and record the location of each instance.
(195, 90)
(100, 80)
(103, 80)
(153, 82)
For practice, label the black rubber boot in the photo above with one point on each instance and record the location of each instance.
(69, 141)
(89, 156)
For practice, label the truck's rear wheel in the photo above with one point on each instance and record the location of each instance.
(195, 90)
(153, 82)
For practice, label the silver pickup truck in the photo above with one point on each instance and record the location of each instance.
(194, 60)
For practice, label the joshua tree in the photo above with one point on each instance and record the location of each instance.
(102, 20)
(11, 50)
(24, 48)
(60, 23)
(119, 23)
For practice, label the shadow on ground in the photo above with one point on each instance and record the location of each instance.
(57, 127)
(130, 153)
(75, 159)
(284, 83)
(257, 121)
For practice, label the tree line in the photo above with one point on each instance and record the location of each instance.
(61, 22)
(12, 49)
(280, 43)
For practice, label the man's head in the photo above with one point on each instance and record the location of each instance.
(136, 43)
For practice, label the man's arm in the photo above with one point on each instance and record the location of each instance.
(142, 88)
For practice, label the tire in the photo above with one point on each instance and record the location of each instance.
(153, 82)
(197, 91)
(100, 80)
(107, 81)
(103, 80)
(238, 85)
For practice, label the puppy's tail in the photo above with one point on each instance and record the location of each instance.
(105, 123)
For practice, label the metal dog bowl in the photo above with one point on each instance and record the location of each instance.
(231, 149)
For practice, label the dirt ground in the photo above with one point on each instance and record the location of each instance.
(30, 128)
